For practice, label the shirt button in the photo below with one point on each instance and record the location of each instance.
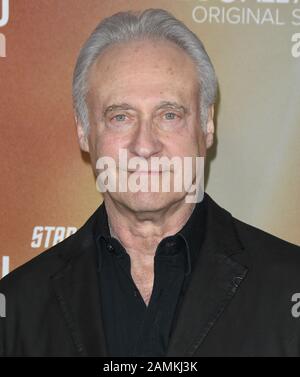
(110, 247)
(170, 243)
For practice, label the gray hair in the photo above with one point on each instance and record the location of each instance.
(150, 24)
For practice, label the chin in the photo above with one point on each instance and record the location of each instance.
(147, 201)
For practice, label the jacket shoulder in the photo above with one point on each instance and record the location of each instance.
(255, 240)
(46, 264)
(275, 258)
(264, 240)
(39, 267)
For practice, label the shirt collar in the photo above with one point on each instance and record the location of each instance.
(193, 232)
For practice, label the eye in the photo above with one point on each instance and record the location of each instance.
(170, 116)
(119, 117)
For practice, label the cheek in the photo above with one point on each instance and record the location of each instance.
(108, 145)
(197, 140)
(183, 144)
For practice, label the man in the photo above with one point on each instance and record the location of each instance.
(152, 273)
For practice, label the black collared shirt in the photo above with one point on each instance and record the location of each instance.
(132, 328)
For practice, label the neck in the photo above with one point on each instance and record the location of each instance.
(141, 232)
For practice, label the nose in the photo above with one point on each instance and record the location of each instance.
(145, 142)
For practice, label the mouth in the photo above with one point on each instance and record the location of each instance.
(130, 171)
(144, 172)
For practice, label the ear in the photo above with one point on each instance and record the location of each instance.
(210, 127)
(82, 138)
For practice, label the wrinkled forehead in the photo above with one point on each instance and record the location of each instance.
(142, 65)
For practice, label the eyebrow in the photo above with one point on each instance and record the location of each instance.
(162, 104)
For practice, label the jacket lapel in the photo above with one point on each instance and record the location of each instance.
(76, 288)
(215, 280)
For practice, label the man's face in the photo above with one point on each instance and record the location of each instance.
(143, 97)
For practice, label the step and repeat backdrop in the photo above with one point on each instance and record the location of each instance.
(47, 186)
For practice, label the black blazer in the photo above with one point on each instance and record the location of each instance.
(238, 303)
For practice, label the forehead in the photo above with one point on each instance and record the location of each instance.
(142, 68)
